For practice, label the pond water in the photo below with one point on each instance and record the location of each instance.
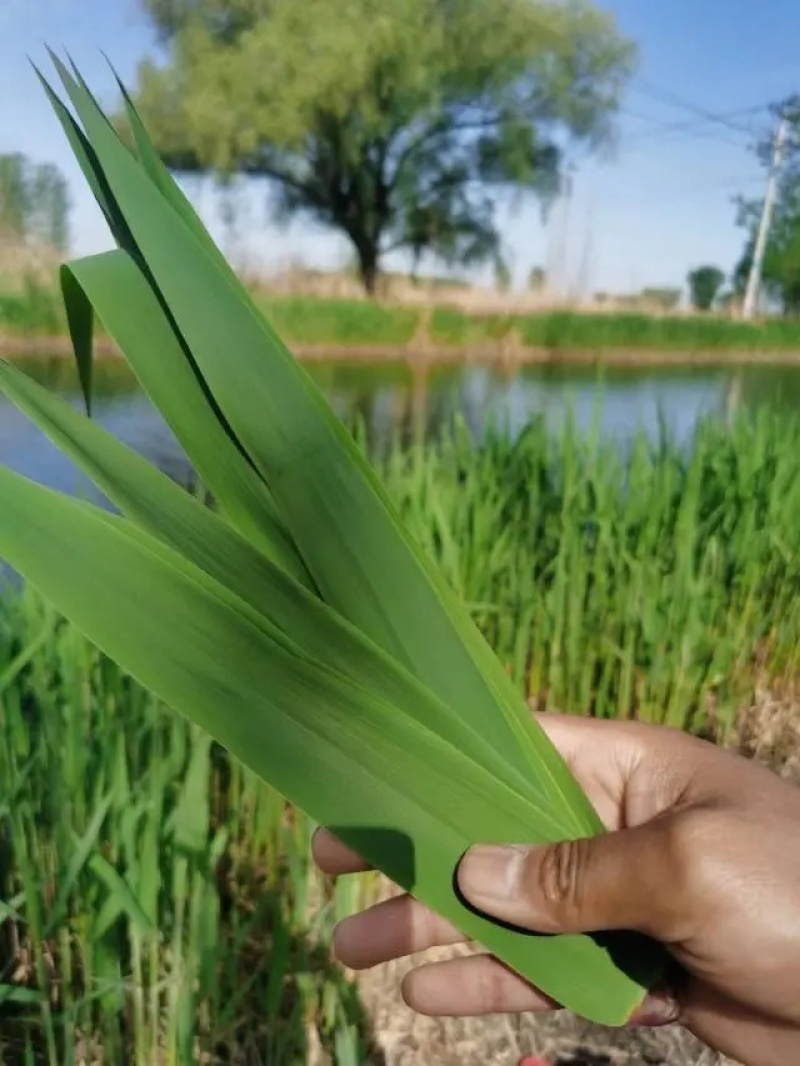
(392, 399)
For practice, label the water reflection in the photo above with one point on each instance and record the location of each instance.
(414, 403)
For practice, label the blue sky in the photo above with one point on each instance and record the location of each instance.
(659, 205)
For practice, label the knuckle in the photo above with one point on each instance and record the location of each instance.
(490, 991)
(429, 927)
(560, 876)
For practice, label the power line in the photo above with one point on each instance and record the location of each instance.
(666, 96)
(692, 125)
(696, 190)
(671, 131)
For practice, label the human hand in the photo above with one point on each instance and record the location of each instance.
(703, 854)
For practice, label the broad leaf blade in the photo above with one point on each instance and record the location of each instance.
(152, 163)
(134, 318)
(366, 561)
(163, 510)
(412, 804)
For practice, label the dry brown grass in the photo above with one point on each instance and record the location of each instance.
(19, 262)
(468, 298)
(769, 730)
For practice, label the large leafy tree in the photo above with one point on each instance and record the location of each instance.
(395, 122)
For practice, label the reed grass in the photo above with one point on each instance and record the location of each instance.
(158, 904)
(659, 584)
(31, 309)
(314, 321)
(567, 331)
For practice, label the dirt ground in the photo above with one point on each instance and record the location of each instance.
(406, 1039)
(770, 732)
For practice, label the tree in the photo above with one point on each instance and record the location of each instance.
(503, 278)
(34, 203)
(705, 283)
(397, 123)
(537, 279)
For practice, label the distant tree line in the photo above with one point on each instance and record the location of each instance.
(34, 203)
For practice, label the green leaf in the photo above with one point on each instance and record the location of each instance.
(403, 797)
(122, 899)
(16, 995)
(151, 161)
(80, 320)
(133, 317)
(80, 856)
(365, 565)
(161, 508)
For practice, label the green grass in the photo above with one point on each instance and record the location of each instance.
(309, 320)
(33, 310)
(315, 321)
(158, 903)
(655, 586)
(566, 331)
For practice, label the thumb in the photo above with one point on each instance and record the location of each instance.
(618, 880)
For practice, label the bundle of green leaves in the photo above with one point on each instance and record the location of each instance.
(297, 622)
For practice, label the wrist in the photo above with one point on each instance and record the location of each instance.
(769, 1044)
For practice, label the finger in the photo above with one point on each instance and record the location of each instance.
(470, 987)
(592, 740)
(391, 930)
(613, 881)
(659, 1008)
(631, 771)
(333, 857)
(603, 756)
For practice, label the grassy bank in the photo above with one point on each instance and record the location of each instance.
(158, 904)
(573, 332)
(317, 323)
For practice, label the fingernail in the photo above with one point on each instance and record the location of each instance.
(659, 1008)
(490, 874)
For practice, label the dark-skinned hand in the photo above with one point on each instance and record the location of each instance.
(703, 854)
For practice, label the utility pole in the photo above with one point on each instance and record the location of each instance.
(754, 279)
(583, 281)
(558, 283)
